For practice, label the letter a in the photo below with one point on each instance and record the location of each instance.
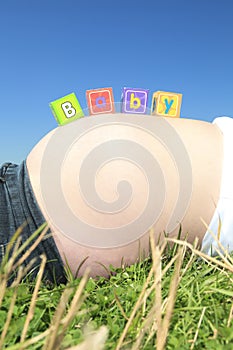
(100, 102)
(68, 109)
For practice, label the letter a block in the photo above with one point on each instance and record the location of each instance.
(100, 101)
(66, 109)
(134, 100)
(166, 104)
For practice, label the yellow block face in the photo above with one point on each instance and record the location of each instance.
(166, 104)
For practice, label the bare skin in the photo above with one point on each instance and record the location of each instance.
(204, 144)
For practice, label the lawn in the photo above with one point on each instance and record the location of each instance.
(178, 298)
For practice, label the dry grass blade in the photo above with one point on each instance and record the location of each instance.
(120, 307)
(22, 271)
(76, 302)
(53, 340)
(222, 251)
(33, 246)
(11, 245)
(158, 288)
(6, 269)
(11, 308)
(54, 328)
(198, 327)
(149, 325)
(29, 342)
(9, 264)
(155, 270)
(192, 257)
(161, 339)
(136, 307)
(230, 317)
(33, 300)
(54, 334)
(155, 323)
(215, 262)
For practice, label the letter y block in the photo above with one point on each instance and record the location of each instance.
(166, 104)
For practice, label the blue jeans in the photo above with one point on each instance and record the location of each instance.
(17, 206)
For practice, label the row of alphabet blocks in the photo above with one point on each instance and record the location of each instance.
(67, 108)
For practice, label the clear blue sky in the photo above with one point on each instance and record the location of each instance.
(50, 48)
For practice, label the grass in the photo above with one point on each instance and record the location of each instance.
(178, 298)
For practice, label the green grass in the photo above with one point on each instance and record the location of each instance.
(175, 299)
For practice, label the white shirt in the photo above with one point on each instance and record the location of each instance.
(221, 225)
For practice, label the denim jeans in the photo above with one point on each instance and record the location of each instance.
(18, 206)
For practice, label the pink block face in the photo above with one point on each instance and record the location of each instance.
(100, 101)
(134, 100)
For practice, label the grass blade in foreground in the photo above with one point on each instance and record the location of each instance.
(178, 299)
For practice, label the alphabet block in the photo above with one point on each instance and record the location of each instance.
(66, 109)
(100, 101)
(166, 104)
(134, 100)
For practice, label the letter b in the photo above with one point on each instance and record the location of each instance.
(135, 102)
(68, 109)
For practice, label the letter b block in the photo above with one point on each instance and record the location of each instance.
(100, 101)
(134, 100)
(166, 104)
(66, 109)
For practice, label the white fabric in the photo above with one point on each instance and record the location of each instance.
(224, 209)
